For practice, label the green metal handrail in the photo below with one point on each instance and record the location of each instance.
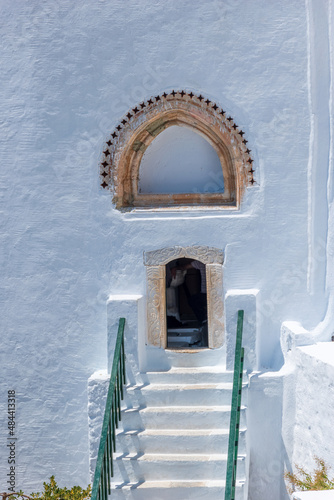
(233, 442)
(112, 415)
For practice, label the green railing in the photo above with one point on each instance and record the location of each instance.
(112, 415)
(233, 442)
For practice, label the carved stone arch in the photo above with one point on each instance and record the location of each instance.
(155, 262)
(128, 143)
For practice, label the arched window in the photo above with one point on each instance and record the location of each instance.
(178, 161)
(175, 150)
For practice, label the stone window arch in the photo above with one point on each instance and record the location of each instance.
(155, 262)
(124, 151)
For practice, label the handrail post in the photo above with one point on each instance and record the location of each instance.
(232, 456)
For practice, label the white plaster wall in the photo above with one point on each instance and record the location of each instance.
(69, 72)
(245, 300)
(264, 434)
(313, 495)
(314, 406)
(323, 74)
(308, 371)
(307, 407)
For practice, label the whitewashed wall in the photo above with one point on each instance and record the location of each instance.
(69, 72)
(307, 404)
(314, 407)
(308, 370)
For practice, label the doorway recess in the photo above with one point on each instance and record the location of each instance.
(158, 265)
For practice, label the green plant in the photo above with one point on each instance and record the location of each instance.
(13, 496)
(303, 481)
(53, 492)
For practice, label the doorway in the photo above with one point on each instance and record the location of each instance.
(156, 262)
(186, 304)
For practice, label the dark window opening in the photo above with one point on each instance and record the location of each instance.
(186, 304)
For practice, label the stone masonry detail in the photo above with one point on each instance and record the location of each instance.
(123, 152)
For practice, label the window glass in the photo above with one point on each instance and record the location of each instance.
(180, 161)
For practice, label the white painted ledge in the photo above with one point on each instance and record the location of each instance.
(314, 495)
(323, 351)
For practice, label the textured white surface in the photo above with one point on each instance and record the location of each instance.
(69, 70)
(245, 300)
(323, 352)
(314, 495)
(308, 381)
(314, 408)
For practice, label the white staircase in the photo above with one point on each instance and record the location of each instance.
(173, 438)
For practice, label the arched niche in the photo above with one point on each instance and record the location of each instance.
(155, 262)
(126, 148)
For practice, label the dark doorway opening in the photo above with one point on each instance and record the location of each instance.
(186, 304)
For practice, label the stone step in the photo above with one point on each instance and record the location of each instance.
(179, 417)
(173, 437)
(193, 358)
(178, 394)
(152, 467)
(186, 375)
(174, 441)
(176, 490)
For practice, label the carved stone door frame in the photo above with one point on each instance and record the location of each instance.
(155, 262)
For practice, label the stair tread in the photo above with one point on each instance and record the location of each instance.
(179, 408)
(191, 369)
(166, 442)
(177, 483)
(175, 457)
(176, 386)
(178, 432)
